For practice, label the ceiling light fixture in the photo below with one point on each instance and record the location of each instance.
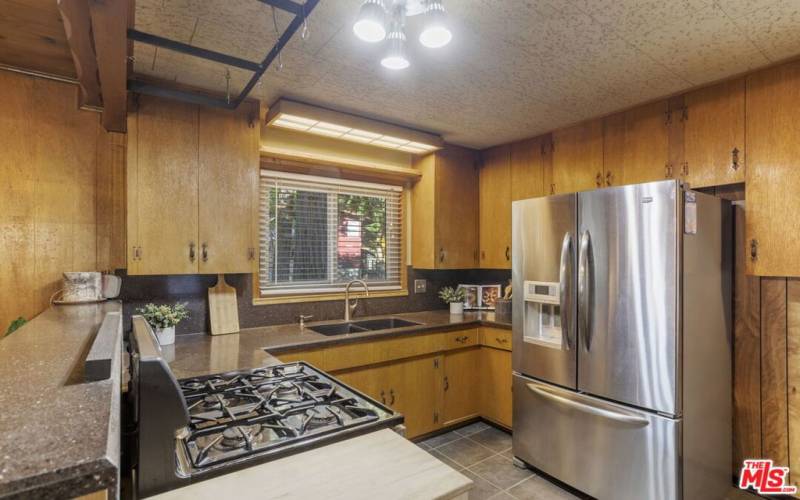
(371, 26)
(396, 56)
(302, 117)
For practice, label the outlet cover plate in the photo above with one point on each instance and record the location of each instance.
(420, 286)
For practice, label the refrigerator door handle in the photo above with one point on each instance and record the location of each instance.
(564, 286)
(585, 279)
(599, 409)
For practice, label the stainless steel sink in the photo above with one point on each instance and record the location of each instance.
(361, 326)
(384, 323)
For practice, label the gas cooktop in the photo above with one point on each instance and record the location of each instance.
(241, 416)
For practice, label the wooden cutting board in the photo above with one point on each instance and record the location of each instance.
(222, 308)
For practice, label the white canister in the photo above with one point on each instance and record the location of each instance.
(166, 336)
(456, 308)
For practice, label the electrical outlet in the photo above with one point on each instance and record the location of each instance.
(420, 286)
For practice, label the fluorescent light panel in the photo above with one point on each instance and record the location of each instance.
(327, 129)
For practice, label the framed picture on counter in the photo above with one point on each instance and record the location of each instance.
(481, 297)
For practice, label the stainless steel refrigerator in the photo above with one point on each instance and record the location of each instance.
(623, 340)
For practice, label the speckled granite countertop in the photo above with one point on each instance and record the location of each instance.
(59, 436)
(200, 354)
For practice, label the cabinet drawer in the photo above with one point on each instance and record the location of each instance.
(315, 357)
(497, 338)
(350, 356)
(459, 339)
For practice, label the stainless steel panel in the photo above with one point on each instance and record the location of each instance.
(628, 287)
(605, 450)
(543, 239)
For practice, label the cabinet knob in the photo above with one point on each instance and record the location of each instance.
(598, 179)
(191, 251)
(204, 252)
(383, 397)
(391, 395)
(441, 255)
(508, 253)
(609, 178)
(446, 383)
(753, 249)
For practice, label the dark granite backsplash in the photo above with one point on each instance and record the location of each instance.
(193, 289)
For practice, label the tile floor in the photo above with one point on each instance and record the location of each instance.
(483, 453)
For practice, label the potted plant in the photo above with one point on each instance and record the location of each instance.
(454, 297)
(163, 319)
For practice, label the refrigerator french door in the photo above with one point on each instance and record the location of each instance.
(621, 298)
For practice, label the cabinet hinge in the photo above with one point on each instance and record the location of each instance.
(735, 159)
(668, 170)
(436, 363)
(251, 253)
(684, 114)
(436, 417)
(667, 117)
(685, 169)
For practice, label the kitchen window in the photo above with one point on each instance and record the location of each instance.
(317, 234)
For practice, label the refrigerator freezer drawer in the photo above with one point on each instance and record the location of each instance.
(606, 450)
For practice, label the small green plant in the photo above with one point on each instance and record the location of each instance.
(451, 295)
(164, 316)
(15, 325)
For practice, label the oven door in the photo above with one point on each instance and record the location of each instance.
(606, 450)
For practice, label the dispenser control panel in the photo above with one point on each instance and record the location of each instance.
(542, 314)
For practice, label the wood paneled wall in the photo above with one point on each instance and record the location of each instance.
(61, 183)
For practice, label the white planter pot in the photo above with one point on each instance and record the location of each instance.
(456, 308)
(166, 336)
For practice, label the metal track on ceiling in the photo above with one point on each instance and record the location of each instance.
(300, 12)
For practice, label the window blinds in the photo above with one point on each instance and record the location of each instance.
(316, 234)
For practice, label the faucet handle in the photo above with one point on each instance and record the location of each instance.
(304, 318)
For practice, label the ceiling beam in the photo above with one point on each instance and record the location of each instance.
(78, 27)
(184, 48)
(109, 27)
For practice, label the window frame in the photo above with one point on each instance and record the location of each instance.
(316, 295)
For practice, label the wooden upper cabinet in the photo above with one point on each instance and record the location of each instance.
(228, 180)
(773, 171)
(714, 135)
(162, 188)
(192, 184)
(636, 146)
(444, 208)
(495, 208)
(577, 163)
(527, 168)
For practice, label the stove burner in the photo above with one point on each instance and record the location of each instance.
(319, 416)
(233, 437)
(192, 385)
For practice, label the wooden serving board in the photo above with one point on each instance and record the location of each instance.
(222, 308)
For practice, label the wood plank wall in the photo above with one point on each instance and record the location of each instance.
(61, 179)
(766, 420)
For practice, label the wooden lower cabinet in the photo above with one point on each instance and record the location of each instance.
(460, 382)
(434, 379)
(495, 390)
(411, 387)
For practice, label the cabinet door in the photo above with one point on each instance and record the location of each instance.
(496, 385)
(714, 135)
(577, 158)
(228, 178)
(495, 209)
(636, 146)
(456, 209)
(372, 381)
(165, 201)
(460, 384)
(527, 175)
(773, 156)
(414, 390)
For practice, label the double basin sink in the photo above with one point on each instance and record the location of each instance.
(367, 325)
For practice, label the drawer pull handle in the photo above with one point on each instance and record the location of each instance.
(501, 340)
(462, 339)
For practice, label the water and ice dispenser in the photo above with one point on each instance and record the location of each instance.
(542, 314)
